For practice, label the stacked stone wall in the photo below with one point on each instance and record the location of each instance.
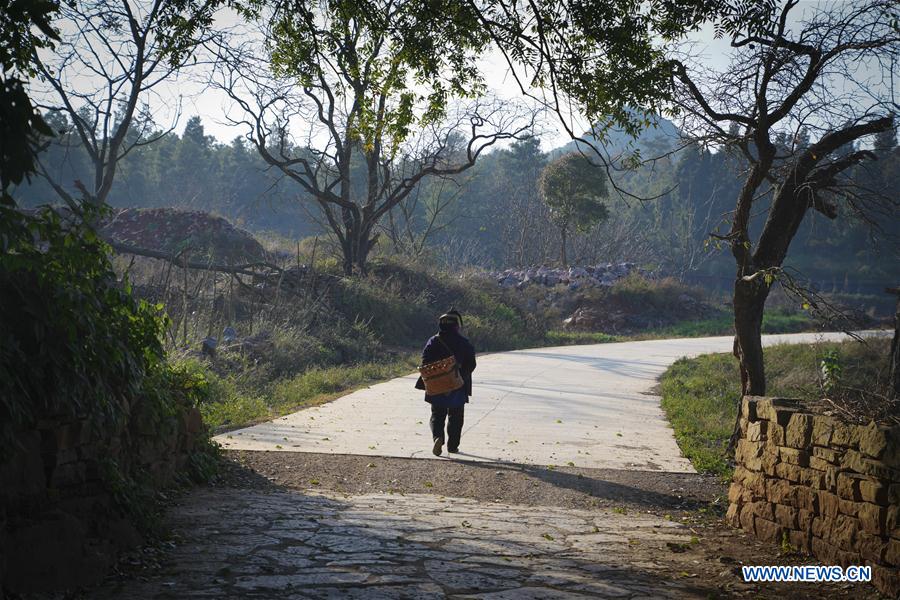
(826, 487)
(61, 525)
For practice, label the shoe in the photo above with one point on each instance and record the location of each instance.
(453, 450)
(438, 445)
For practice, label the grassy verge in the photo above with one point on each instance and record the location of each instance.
(700, 395)
(773, 322)
(570, 338)
(235, 406)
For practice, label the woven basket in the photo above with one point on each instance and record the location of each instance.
(441, 377)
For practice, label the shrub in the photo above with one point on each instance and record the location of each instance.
(700, 395)
(74, 341)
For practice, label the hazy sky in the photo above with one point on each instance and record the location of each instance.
(178, 99)
(188, 94)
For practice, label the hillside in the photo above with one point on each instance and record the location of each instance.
(660, 137)
(297, 332)
(491, 216)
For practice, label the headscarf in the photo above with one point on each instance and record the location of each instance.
(450, 321)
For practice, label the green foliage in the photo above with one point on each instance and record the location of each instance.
(17, 39)
(182, 22)
(831, 370)
(75, 341)
(203, 463)
(20, 125)
(605, 55)
(572, 338)
(700, 395)
(169, 387)
(24, 28)
(168, 391)
(230, 406)
(573, 190)
(774, 321)
(714, 326)
(394, 44)
(136, 498)
(786, 547)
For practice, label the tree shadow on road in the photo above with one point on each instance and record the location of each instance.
(648, 489)
(248, 536)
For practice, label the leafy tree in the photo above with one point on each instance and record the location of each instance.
(72, 340)
(20, 124)
(372, 82)
(573, 188)
(190, 172)
(779, 82)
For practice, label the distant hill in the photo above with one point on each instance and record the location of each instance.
(662, 136)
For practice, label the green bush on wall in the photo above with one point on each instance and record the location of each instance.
(73, 341)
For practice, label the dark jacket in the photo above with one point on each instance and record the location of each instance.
(463, 351)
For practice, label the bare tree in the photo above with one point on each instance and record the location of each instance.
(111, 57)
(620, 237)
(829, 75)
(526, 242)
(330, 101)
(421, 215)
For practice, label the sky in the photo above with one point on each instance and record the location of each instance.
(186, 95)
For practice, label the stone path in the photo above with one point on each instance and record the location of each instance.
(588, 406)
(251, 544)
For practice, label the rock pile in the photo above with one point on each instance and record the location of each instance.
(192, 234)
(574, 277)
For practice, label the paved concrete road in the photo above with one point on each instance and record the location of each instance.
(585, 405)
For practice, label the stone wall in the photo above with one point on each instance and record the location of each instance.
(60, 524)
(826, 487)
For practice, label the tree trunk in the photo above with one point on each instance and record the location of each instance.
(749, 304)
(356, 245)
(347, 251)
(364, 245)
(562, 252)
(895, 349)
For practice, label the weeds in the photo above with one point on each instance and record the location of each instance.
(570, 338)
(700, 395)
(235, 407)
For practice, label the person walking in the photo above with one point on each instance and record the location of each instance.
(449, 407)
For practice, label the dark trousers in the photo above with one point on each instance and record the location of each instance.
(454, 424)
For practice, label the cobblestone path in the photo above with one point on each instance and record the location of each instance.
(234, 543)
